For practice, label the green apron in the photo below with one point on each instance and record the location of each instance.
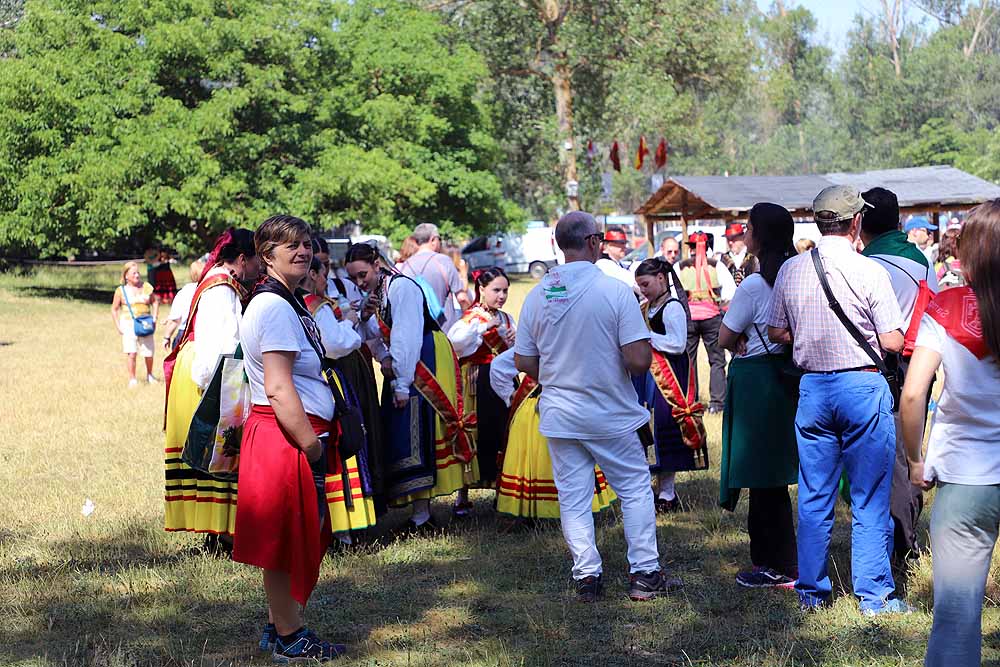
(758, 429)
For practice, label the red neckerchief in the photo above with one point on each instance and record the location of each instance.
(957, 310)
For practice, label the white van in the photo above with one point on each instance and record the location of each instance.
(532, 252)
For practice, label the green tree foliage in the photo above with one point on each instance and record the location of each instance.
(172, 120)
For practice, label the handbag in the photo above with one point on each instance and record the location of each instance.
(216, 432)
(892, 378)
(353, 434)
(144, 325)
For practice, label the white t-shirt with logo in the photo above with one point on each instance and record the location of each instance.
(587, 392)
(270, 324)
(750, 305)
(964, 445)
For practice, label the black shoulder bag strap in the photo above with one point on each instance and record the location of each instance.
(838, 310)
(892, 378)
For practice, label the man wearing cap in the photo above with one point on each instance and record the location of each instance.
(615, 248)
(844, 418)
(918, 232)
(708, 290)
(589, 412)
(737, 259)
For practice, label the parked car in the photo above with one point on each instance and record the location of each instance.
(533, 252)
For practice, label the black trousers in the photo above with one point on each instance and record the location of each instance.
(906, 501)
(772, 533)
(707, 331)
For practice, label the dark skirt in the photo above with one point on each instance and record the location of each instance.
(357, 369)
(491, 432)
(669, 454)
(759, 449)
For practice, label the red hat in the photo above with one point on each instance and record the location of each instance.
(615, 236)
(734, 229)
(695, 237)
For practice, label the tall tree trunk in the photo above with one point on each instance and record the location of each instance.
(562, 83)
(892, 24)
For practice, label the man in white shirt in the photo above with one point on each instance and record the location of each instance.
(737, 259)
(615, 248)
(589, 411)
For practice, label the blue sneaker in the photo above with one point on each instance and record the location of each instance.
(894, 606)
(268, 637)
(305, 647)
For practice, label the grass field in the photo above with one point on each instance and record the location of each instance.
(114, 589)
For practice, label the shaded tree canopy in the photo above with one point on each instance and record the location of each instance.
(172, 120)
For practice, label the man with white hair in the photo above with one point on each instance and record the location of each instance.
(438, 271)
(589, 411)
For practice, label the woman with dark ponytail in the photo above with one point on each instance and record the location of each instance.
(759, 451)
(194, 501)
(960, 331)
(428, 439)
(483, 332)
(669, 388)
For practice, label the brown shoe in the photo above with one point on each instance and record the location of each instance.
(589, 589)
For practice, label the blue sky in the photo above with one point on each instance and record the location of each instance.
(834, 17)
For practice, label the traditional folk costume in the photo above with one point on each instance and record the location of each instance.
(476, 347)
(340, 342)
(429, 446)
(740, 266)
(526, 487)
(702, 280)
(669, 390)
(195, 501)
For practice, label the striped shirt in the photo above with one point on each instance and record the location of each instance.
(819, 340)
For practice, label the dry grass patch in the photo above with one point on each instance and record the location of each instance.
(113, 589)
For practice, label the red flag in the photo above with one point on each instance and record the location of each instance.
(641, 154)
(661, 154)
(615, 158)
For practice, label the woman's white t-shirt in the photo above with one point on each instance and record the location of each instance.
(750, 305)
(270, 324)
(964, 445)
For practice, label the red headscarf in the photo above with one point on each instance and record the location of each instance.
(225, 238)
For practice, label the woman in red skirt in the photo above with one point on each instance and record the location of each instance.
(281, 519)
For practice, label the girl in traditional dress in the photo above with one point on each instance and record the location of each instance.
(290, 445)
(526, 488)
(669, 388)
(341, 344)
(429, 450)
(483, 332)
(195, 501)
(759, 450)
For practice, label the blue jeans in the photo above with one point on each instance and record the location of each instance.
(964, 524)
(844, 421)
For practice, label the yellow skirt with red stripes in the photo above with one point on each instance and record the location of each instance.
(342, 517)
(526, 488)
(452, 473)
(194, 501)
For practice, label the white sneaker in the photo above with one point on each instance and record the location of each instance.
(151, 379)
(133, 383)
